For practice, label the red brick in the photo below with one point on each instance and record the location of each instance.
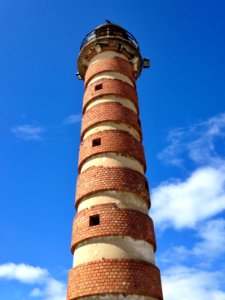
(96, 179)
(140, 278)
(109, 112)
(114, 221)
(115, 64)
(110, 87)
(111, 141)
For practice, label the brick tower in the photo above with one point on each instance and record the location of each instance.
(113, 240)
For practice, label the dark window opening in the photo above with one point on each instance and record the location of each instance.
(146, 185)
(119, 47)
(98, 87)
(94, 220)
(96, 142)
(139, 122)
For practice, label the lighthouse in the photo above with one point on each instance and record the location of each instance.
(113, 238)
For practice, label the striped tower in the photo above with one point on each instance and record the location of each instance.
(113, 240)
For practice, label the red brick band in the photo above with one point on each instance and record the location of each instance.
(110, 87)
(115, 64)
(109, 112)
(96, 179)
(116, 141)
(113, 221)
(128, 277)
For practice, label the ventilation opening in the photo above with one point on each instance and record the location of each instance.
(139, 122)
(96, 142)
(146, 186)
(98, 87)
(94, 220)
(119, 47)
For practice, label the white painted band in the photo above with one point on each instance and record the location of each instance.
(121, 199)
(111, 75)
(113, 160)
(107, 54)
(113, 247)
(112, 126)
(110, 98)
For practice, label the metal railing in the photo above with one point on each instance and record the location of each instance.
(109, 31)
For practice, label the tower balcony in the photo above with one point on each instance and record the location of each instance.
(109, 37)
(110, 30)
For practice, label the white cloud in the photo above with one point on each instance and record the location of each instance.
(36, 292)
(216, 125)
(191, 283)
(174, 255)
(48, 287)
(54, 290)
(171, 153)
(183, 204)
(198, 141)
(72, 119)
(200, 196)
(28, 132)
(213, 242)
(209, 247)
(23, 273)
(192, 203)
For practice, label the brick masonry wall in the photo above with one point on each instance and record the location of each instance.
(115, 64)
(96, 179)
(110, 87)
(112, 276)
(113, 221)
(109, 112)
(129, 277)
(106, 47)
(111, 141)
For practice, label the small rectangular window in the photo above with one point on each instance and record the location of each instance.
(139, 122)
(96, 142)
(94, 220)
(98, 87)
(146, 185)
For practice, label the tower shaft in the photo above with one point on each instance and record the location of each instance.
(113, 239)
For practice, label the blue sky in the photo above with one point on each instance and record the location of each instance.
(183, 119)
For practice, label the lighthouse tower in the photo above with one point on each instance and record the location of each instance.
(113, 239)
